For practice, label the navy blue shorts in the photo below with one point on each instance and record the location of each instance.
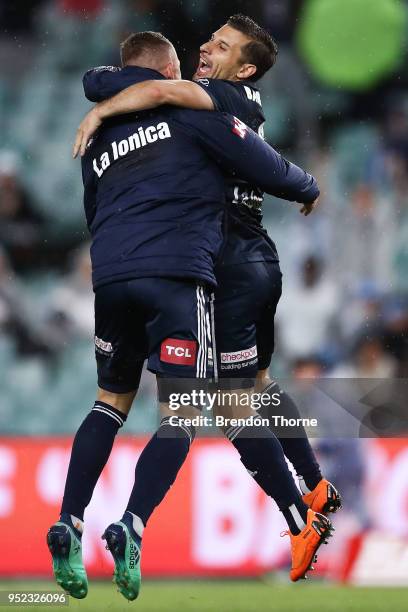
(245, 306)
(165, 321)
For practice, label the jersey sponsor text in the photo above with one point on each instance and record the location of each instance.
(141, 138)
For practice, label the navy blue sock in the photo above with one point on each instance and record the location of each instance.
(294, 440)
(90, 452)
(262, 455)
(158, 466)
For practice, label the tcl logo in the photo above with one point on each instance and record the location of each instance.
(179, 352)
(240, 128)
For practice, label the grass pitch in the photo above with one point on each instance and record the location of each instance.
(226, 596)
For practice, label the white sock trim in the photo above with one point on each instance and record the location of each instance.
(108, 412)
(77, 523)
(137, 524)
(303, 486)
(300, 524)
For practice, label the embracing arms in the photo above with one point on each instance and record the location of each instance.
(240, 151)
(234, 146)
(116, 96)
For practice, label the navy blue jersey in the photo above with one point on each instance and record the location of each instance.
(246, 239)
(154, 194)
(243, 100)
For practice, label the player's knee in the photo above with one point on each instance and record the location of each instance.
(262, 379)
(120, 401)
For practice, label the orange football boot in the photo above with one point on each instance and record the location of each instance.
(306, 544)
(324, 498)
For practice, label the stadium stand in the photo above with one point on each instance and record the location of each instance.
(362, 167)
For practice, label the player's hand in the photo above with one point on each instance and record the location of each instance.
(85, 131)
(306, 209)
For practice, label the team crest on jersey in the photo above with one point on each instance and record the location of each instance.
(104, 68)
(240, 128)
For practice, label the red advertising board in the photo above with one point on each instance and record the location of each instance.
(210, 522)
(214, 520)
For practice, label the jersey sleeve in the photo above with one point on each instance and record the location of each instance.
(226, 98)
(239, 150)
(106, 81)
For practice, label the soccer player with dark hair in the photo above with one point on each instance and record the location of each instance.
(248, 273)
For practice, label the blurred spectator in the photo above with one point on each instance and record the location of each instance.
(20, 223)
(365, 234)
(361, 308)
(369, 359)
(71, 314)
(306, 312)
(15, 321)
(396, 137)
(17, 16)
(309, 366)
(341, 458)
(396, 334)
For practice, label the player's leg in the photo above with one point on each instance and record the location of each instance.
(91, 449)
(262, 455)
(241, 293)
(178, 343)
(318, 493)
(119, 370)
(159, 463)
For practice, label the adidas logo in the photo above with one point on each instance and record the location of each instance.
(133, 556)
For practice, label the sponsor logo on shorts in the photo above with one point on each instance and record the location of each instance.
(104, 347)
(179, 352)
(239, 356)
(239, 366)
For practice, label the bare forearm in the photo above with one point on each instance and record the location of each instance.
(135, 98)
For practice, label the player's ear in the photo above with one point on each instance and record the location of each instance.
(168, 71)
(246, 71)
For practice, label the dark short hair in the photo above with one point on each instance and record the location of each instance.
(261, 51)
(139, 43)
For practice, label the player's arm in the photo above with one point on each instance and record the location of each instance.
(237, 149)
(137, 97)
(151, 94)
